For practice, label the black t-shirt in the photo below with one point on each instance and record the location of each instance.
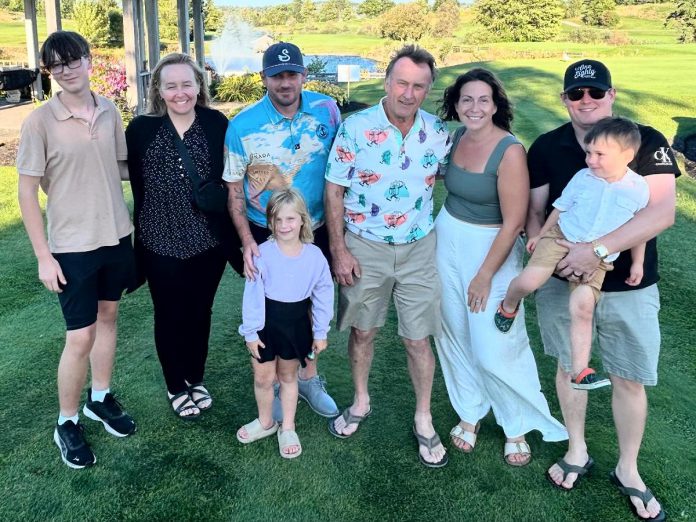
(556, 156)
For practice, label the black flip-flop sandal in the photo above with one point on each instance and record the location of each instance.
(430, 443)
(349, 418)
(571, 468)
(644, 496)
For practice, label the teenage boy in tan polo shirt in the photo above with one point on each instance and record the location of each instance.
(74, 148)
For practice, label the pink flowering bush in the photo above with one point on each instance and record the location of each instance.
(109, 80)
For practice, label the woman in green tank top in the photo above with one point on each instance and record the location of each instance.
(478, 252)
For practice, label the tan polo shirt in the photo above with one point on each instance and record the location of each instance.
(78, 166)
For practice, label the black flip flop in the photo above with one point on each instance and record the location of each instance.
(644, 496)
(349, 418)
(571, 468)
(430, 443)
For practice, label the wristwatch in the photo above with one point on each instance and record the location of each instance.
(600, 250)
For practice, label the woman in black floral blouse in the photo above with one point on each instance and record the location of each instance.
(181, 251)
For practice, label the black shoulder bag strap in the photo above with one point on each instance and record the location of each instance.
(183, 153)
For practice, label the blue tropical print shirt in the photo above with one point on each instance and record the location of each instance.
(270, 152)
(389, 178)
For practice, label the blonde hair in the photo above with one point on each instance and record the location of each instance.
(155, 103)
(291, 197)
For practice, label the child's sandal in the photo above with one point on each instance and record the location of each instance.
(255, 431)
(287, 438)
(503, 320)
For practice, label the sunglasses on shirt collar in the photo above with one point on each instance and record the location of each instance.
(577, 94)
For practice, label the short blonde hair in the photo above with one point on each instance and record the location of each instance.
(291, 197)
(155, 103)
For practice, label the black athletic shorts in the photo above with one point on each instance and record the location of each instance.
(98, 275)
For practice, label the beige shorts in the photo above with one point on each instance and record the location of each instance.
(407, 273)
(548, 253)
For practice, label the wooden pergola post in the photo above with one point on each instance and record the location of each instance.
(198, 32)
(183, 25)
(133, 42)
(53, 19)
(152, 31)
(30, 28)
(53, 24)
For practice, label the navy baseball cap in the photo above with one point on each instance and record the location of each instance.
(281, 57)
(587, 73)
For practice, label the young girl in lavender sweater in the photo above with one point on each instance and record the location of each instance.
(286, 311)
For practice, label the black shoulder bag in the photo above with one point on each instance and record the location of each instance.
(209, 196)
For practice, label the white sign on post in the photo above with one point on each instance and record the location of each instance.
(348, 73)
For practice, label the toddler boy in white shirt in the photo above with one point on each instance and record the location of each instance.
(596, 201)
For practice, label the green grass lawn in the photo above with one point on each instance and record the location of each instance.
(12, 32)
(172, 470)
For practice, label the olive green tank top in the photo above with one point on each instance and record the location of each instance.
(473, 196)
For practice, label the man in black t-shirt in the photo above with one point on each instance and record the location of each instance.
(626, 316)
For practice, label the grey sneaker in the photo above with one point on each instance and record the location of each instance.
(277, 407)
(313, 391)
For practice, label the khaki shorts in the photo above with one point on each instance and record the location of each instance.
(407, 273)
(548, 253)
(626, 326)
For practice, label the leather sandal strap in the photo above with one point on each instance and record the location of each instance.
(464, 435)
(351, 418)
(571, 468)
(644, 496)
(428, 442)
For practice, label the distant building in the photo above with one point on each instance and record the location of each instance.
(262, 43)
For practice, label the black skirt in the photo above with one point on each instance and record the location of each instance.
(288, 331)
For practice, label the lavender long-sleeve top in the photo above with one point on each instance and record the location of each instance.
(288, 279)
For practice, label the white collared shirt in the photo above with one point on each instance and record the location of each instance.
(591, 207)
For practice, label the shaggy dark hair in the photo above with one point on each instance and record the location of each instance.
(622, 130)
(503, 115)
(418, 55)
(63, 46)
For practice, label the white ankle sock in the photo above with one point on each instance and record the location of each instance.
(99, 396)
(62, 419)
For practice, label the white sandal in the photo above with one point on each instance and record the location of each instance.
(256, 432)
(517, 448)
(287, 438)
(465, 436)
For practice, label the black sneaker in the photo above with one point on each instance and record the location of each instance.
(74, 450)
(110, 413)
(589, 380)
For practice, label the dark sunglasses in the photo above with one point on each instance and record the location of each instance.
(577, 94)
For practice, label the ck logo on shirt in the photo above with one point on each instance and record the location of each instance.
(662, 157)
(284, 56)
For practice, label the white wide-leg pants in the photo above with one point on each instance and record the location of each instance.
(483, 367)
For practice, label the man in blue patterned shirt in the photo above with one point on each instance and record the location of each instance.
(379, 212)
(282, 141)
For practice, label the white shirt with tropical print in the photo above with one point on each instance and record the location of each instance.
(389, 178)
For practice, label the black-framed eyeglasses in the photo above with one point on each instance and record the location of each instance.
(577, 94)
(57, 68)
